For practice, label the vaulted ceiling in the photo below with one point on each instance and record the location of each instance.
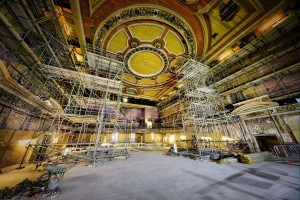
(156, 37)
(251, 47)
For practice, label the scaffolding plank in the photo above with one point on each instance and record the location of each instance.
(88, 80)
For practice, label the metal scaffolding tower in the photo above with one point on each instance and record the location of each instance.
(92, 112)
(80, 102)
(203, 114)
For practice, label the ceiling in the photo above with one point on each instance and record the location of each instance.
(156, 37)
(251, 47)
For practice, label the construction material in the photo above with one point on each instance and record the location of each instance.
(255, 157)
(47, 185)
(217, 155)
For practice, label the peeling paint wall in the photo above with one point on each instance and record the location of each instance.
(12, 146)
(16, 129)
(15, 120)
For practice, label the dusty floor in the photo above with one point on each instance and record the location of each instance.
(152, 175)
(10, 179)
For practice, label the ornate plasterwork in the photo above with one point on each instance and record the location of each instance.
(145, 13)
(147, 49)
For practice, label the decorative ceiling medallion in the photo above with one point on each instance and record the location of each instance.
(145, 62)
(131, 91)
(150, 13)
(134, 43)
(158, 44)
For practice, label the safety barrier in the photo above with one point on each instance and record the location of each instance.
(287, 152)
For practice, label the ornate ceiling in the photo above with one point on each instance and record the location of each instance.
(151, 50)
(153, 42)
(155, 37)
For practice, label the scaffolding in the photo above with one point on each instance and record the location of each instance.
(80, 103)
(204, 118)
(256, 68)
(81, 126)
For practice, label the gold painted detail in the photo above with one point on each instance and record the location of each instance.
(134, 44)
(157, 44)
(118, 42)
(152, 93)
(163, 78)
(146, 32)
(131, 13)
(145, 63)
(173, 43)
(146, 81)
(129, 77)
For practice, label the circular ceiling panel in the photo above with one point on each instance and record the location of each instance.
(145, 63)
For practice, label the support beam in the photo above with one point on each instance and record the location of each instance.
(75, 5)
(4, 70)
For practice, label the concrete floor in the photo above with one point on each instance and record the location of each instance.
(152, 175)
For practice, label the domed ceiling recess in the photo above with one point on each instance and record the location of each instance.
(154, 42)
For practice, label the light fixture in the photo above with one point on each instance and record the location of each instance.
(172, 139)
(183, 137)
(115, 136)
(66, 151)
(225, 55)
(205, 138)
(132, 137)
(165, 138)
(148, 123)
(125, 99)
(227, 138)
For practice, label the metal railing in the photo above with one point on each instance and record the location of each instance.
(287, 152)
(102, 52)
